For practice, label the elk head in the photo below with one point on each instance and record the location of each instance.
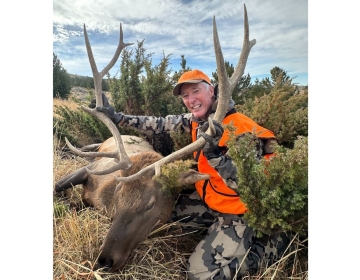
(140, 206)
(138, 200)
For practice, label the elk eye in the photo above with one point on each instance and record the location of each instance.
(150, 205)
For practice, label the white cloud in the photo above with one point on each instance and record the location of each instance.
(185, 27)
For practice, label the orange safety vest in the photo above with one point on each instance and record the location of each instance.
(214, 192)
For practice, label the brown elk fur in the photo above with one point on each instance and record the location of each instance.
(99, 190)
(132, 145)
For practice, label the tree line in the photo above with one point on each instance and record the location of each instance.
(63, 81)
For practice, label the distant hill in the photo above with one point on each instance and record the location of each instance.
(82, 94)
(74, 76)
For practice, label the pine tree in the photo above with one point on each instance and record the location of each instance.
(243, 86)
(61, 79)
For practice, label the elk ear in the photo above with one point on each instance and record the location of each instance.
(191, 177)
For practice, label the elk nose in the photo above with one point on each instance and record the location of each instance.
(105, 262)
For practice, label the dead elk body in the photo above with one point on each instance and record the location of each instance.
(123, 184)
(135, 207)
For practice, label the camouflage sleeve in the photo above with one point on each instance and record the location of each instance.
(224, 165)
(157, 124)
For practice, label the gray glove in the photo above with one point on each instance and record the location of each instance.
(211, 148)
(107, 110)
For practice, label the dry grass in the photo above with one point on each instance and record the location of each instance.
(65, 102)
(78, 235)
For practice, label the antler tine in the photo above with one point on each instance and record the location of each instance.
(121, 158)
(247, 45)
(117, 53)
(226, 86)
(90, 154)
(223, 99)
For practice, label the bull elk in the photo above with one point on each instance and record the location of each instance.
(121, 179)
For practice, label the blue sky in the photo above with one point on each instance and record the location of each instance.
(280, 28)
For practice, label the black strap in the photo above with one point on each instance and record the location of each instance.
(232, 111)
(197, 155)
(233, 195)
(204, 189)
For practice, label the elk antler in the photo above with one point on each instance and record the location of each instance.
(226, 86)
(121, 158)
